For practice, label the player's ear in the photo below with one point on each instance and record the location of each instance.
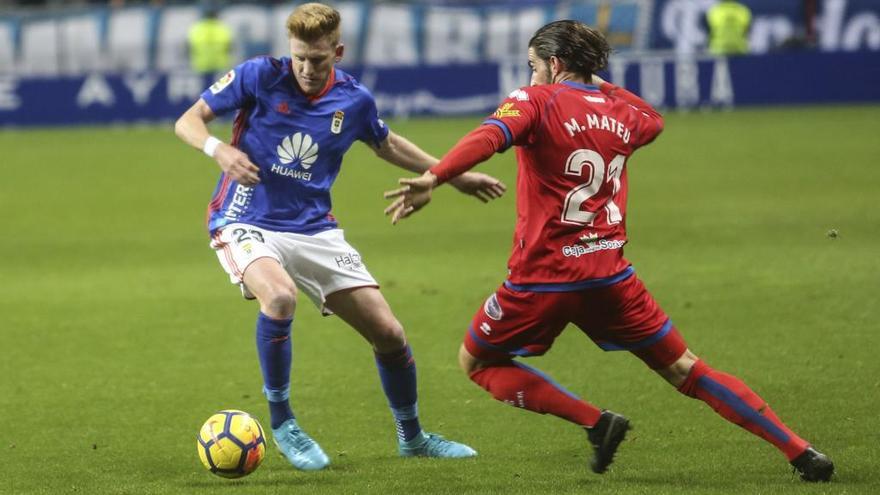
(556, 66)
(340, 49)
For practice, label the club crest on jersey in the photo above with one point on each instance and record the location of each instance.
(506, 110)
(336, 125)
(221, 83)
(492, 308)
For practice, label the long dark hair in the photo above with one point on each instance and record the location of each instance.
(582, 49)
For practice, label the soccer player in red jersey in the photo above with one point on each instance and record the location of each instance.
(573, 134)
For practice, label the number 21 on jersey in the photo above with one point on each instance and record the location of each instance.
(589, 163)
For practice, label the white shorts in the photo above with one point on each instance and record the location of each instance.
(319, 264)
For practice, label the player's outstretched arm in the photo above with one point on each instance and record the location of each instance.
(398, 150)
(476, 147)
(410, 198)
(479, 185)
(192, 128)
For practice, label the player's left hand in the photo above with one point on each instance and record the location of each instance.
(414, 194)
(481, 186)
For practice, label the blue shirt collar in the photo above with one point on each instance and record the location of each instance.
(577, 85)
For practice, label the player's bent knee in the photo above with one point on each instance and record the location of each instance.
(278, 301)
(388, 336)
(467, 362)
(677, 372)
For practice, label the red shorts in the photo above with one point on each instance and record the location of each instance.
(621, 316)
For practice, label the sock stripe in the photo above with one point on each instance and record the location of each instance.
(397, 372)
(406, 412)
(725, 395)
(524, 387)
(397, 359)
(546, 378)
(277, 395)
(275, 350)
(407, 429)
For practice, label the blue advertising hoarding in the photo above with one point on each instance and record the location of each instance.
(145, 38)
(102, 65)
(665, 81)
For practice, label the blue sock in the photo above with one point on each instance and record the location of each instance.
(397, 370)
(275, 351)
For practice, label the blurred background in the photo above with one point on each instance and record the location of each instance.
(71, 62)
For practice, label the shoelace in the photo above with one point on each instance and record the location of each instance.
(437, 444)
(299, 440)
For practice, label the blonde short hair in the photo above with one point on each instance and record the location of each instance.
(312, 21)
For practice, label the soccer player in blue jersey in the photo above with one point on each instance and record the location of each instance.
(270, 218)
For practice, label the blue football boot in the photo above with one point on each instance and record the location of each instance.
(432, 445)
(298, 447)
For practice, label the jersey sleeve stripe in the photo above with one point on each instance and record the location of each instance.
(508, 137)
(217, 201)
(239, 125)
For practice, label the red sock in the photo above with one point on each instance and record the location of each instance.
(522, 386)
(737, 403)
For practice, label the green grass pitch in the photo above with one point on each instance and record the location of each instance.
(120, 333)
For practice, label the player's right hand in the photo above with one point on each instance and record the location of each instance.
(237, 165)
(414, 194)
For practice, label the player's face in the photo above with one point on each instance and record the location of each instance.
(540, 69)
(312, 62)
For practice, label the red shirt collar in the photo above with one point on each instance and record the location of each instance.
(330, 81)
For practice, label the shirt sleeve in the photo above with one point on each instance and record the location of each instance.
(517, 117)
(374, 130)
(649, 121)
(236, 89)
(476, 147)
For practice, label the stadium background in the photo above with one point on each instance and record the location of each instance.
(753, 219)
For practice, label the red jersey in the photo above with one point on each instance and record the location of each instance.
(572, 143)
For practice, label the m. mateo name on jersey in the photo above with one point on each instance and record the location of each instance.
(599, 122)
